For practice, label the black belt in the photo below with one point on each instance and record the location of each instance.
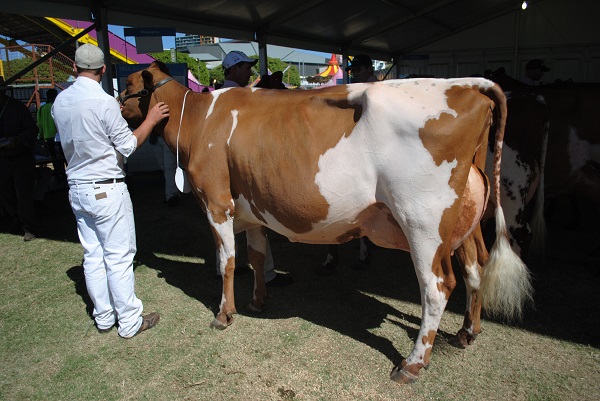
(110, 181)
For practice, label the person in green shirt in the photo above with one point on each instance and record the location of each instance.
(45, 122)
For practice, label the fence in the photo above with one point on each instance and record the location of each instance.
(31, 88)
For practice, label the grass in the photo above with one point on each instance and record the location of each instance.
(322, 338)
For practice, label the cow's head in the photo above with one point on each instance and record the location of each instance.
(136, 99)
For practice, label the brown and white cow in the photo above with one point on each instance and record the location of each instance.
(393, 161)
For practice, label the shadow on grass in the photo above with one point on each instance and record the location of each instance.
(342, 302)
(76, 274)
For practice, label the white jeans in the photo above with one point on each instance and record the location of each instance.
(106, 229)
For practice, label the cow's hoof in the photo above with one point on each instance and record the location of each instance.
(256, 307)
(222, 320)
(403, 376)
(463, 339)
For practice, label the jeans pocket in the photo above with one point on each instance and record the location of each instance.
(104, 201)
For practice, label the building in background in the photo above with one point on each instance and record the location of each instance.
(308, 63)
(183, 43)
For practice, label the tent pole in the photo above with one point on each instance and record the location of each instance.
(263, 59)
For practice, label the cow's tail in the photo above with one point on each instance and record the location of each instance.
(506, 282)
(539, 234)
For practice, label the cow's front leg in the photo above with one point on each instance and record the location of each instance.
(221, 223)
(257, 249)
(471, 256)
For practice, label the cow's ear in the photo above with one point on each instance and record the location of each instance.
(148, 79)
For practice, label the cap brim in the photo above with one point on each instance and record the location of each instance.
(85, 67)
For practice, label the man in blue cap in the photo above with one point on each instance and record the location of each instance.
(238, 69)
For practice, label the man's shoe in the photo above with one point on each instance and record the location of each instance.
(104, 331)
(29, 236)
(148, 321)
(281, 280)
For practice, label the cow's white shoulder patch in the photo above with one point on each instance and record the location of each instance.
(234, 114)
(215, 96)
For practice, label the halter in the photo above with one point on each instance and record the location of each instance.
(144, 92)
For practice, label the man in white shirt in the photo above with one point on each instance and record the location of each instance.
(95, 139)
(238, 69)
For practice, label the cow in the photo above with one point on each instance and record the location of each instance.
(522, 171)
(573, 149)
(398, 161)
(574, 141)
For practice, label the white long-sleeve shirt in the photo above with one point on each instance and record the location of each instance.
(94, 136)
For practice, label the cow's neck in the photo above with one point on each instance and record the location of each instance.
(174, 97)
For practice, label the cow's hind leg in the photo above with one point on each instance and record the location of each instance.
(471, 256)
(257, 249)
(436, 286)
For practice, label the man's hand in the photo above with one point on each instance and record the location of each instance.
(155, 115)
(158, 113)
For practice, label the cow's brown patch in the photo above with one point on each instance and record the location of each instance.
(450, 138)
(274, 150)
(429, 339)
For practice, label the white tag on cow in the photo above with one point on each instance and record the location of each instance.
(182, 182)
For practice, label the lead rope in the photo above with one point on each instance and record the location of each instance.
(180, 120)
(180, 176)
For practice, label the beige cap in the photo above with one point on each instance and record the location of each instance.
(89, 57)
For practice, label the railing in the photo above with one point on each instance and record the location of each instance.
(45, 76)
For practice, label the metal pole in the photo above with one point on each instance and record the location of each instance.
(262, 53)
(102, 35)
